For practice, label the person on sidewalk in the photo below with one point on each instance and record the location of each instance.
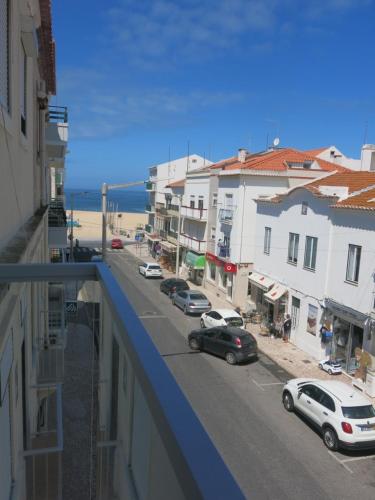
(287, 326)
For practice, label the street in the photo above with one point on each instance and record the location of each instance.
(272, 454)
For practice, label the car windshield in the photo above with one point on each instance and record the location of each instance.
(358, 412)
(247, 339)
(197, 296)
(234, 321)
(154, 267)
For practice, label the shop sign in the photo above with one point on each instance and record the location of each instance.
(211, 257)
(230, 268)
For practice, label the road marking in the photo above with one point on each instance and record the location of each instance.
(258, 385)
(354, 459)
(150, 316)
(341, 462)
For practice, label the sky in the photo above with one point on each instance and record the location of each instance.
(149, 80)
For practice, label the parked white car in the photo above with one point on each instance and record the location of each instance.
(150, 270)
(330, 366)
(222, 317)
(345, 417)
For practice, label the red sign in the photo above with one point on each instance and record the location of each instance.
(211, 257)
(230, 268)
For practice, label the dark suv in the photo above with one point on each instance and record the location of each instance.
(233, 344)
(173, 285)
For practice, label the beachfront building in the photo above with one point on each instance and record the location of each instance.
(164, 203)
(240, 180)
(314, 258)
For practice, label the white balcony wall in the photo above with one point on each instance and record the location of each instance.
(56, 139)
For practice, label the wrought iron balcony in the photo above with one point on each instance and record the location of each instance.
(171, 457)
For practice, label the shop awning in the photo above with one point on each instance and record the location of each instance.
(169, 247)
(195, 260)
(276, 292)
(262, 281)
(152, 237)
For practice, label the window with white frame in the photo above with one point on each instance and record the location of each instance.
(304, 208)
(311, 246)
(192, 201)
(23, 87)
(214, 200)
(354, 260)
(4, 53)
(267, 240)
(293, 248)
(228, 201)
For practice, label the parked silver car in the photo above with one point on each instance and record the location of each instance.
(191, 301)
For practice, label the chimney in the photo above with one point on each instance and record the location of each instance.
(242, 155)
(368, 157)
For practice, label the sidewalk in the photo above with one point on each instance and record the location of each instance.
(288, 356)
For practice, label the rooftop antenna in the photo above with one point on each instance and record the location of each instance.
(267, 141)
(276, 141)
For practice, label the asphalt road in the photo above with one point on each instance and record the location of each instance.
(271, 453)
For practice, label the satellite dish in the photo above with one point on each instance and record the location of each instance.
(276, 141)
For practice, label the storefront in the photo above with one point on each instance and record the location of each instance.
(259, 286)
(153, 244)
(168, 255)
(352, 342)
(195, 264)
(277, 299)
(221, 273)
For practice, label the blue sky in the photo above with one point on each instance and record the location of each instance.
(142, 77)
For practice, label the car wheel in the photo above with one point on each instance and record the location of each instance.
(330, 439)
(330, 371)
(230, 358)
(288, 401)
(194, 344)
(320, 366)
(202, 324)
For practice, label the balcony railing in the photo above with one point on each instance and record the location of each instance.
(199, 246)
(144, 394)
(172, 210)
(194, 213)
(58, 114)
(150, 209)
(226, 215)
(218, 249)
(150, 186)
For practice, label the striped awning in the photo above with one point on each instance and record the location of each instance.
(261, 281)
(276, 292)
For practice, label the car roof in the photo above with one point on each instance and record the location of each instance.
(346, 394)
(151, 264)
(227, 313)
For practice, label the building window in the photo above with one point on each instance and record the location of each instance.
(23, 87)
(4, 53)
(296, 305)
(200, 203)
(293, 248)
(310, 252)
(213, 233)
(267, 240)
(354, 260)
(214, 200)
(228, 201)
(304, 208)
(192, 201)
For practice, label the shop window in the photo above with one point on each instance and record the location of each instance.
(353, 263)
(293, 248)
(267, 240)
(312, 319)
(4, 53)
(311, 246)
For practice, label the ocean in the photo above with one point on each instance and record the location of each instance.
(124, 200)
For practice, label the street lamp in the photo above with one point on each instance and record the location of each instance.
(71, 221)
(105, 189)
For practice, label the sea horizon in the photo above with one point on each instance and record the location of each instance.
(90, 200)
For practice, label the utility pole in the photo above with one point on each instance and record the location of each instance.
(178, 237)
(105, 189)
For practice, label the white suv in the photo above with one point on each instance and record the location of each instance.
(150, 270)
(345, 417)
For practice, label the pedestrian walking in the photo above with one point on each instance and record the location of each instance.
(287, 326)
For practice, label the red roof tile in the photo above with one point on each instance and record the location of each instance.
(354, 181)
(360, 201)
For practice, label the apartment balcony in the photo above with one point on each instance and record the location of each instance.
(57, 135)
(172, 210)
(138, 402)
(162, 211)
(194, 213)
(226, 215)
(218, 249)
(198, 246)
(150, 209)
(57, 228)
(149, 229)
(150, 186)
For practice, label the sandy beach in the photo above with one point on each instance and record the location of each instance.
(91, 224)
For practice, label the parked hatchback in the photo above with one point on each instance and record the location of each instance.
(191, 301)
(233, 344)
(222, 317)
(345, 417)
(150, 270)
(173, 285)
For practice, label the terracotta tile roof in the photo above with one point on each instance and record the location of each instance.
(179, 183)
(315, 152)
(47, 47)
(277, 160)
(361, 201)
(354, 181)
